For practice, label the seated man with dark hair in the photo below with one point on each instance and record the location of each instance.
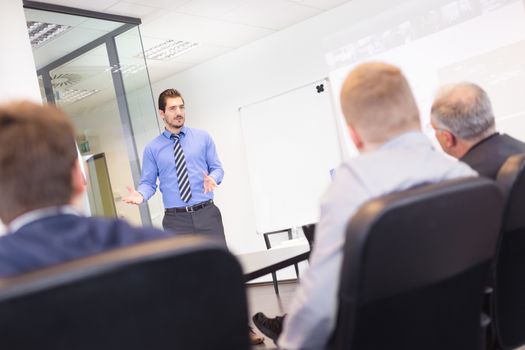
(465, 127)
(40, 180)
(383, 121)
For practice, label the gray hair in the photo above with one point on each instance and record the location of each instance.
(465, 110)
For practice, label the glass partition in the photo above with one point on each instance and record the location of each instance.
(95, 71)
(140, 102)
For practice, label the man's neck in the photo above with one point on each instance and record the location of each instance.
(372, 146)
(175, 131)
(369, 147)
(460, 150)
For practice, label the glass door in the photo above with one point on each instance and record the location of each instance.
(84, 89)
(95, 71)
(141, 106)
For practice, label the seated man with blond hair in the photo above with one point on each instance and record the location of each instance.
(383, 121)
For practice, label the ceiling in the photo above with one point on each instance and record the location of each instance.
(219, 26)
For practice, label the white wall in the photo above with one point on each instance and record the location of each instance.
(17, 69)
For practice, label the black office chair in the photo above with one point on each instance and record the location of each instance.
(414, 268)
(268, 244)
(177, 293)
(509, 288)
(309, 233)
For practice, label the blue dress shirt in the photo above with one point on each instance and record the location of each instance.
(403, 162)
(158, 162)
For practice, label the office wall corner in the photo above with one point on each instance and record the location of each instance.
(18, 78)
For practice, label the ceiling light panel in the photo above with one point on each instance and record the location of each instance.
(169, 49)
(41, 32)
(73, 95)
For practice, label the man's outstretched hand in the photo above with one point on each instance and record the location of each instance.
(209, 183)
(133, 197)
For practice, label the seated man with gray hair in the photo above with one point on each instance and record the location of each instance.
(465, 127)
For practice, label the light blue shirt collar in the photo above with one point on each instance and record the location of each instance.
(168, 133)
(407, 138)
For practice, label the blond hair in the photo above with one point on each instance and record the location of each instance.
(377, 102)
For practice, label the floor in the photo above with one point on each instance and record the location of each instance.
(263, 298)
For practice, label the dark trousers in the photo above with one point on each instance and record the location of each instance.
(207, 220)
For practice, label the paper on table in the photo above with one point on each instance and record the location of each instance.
(290, 242)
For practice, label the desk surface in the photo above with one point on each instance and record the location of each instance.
(257, 264)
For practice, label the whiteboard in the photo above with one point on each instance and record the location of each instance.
(291, 145)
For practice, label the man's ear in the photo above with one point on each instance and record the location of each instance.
(449, 138)
(356, 138)
(78, 181)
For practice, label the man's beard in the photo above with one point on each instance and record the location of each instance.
(175, 126)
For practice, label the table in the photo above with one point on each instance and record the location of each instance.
(260, 263)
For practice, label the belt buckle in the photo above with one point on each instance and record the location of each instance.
(189, 210)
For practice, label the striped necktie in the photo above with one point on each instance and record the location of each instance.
(182, 172)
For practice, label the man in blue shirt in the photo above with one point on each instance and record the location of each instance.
(188, 168)
(187, 190)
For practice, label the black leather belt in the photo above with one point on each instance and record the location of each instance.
(189, 209)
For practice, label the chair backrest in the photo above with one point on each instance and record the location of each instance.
(414, 268)
(177, 293)
(509, 288)
(309, 233)
(266, 236)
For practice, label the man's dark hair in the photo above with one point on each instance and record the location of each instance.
(37, 156)
(164, 95)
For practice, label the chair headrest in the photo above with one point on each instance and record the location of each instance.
(105, 262)
(511, 179)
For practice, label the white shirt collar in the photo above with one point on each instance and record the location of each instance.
(37, 214)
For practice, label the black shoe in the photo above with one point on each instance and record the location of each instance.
(270, 327)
